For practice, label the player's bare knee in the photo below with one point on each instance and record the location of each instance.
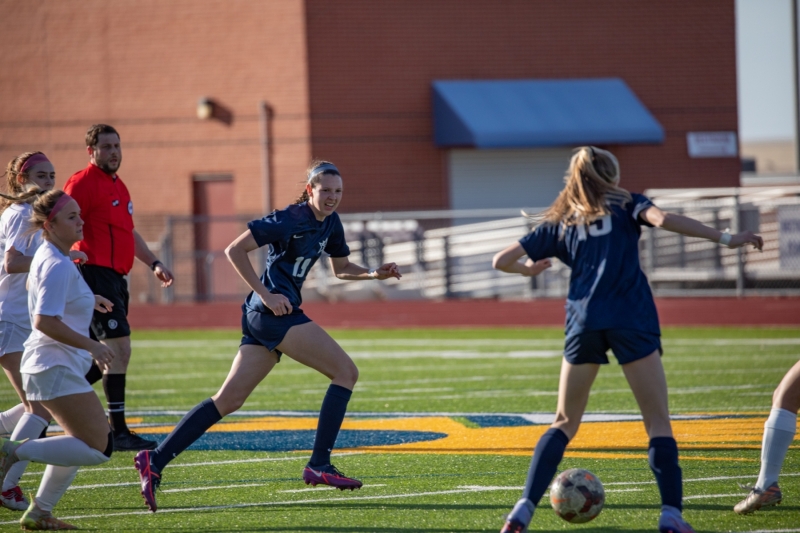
(347, 376)
(227, 403)
(787, 398)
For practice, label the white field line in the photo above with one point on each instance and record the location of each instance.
(324, 487)
(739, 495)
(193, 489)
(459, 490)
(456, 354)
(90, 470)
(100, 485)
(268, 504)
(369, 343)
(773, 531)
(214, 463)
(362, 385)
(505, 393)
(593, 416)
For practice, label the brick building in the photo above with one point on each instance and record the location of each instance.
(349, 81)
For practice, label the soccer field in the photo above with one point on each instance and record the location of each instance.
(440, 430)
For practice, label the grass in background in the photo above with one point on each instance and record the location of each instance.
(423, 371)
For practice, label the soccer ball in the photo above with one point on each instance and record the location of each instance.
(577, 495)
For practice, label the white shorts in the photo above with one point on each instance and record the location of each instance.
(12, 338)
(53, 383)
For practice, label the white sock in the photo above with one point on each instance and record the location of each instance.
(60, 451)
(9, 419)
(779, 431)
(55, 482)
(30, 426)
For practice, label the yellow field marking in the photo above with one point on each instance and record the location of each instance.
(599, 440)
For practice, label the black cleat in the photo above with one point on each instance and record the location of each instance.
(131, 442)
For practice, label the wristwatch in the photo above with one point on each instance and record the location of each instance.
(154, 264)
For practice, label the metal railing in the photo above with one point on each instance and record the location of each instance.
(447, 254)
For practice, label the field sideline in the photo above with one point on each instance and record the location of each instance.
(441, 427)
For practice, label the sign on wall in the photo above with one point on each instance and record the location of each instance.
(789, 236)
(712, 144)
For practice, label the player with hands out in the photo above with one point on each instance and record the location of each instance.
(594, 228)
(274, 324)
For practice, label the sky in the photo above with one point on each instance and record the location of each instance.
(764, 69)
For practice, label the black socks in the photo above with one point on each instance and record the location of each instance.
(546, 457)
(331, 415)
(189, 429)
(663, 454)
(114, 386)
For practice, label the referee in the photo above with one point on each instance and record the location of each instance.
(111, 243)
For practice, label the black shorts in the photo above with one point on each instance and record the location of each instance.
(112, 285)
(628, 345)
(268, 330)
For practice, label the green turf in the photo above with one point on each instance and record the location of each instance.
(455, 371)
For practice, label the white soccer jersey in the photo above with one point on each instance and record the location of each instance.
(14, 231)
(56, 288)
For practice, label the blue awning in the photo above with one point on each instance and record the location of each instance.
(531, 113)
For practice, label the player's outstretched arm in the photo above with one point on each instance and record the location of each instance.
(508, 261)
(344, 269)
(694, 228)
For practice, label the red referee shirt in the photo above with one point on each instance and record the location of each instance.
(107, 213)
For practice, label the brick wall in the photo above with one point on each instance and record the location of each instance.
(361, 68)
(372, 64)
(141, 65)
(348, 80)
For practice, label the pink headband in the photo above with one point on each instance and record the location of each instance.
(33, 160)
(60, 203)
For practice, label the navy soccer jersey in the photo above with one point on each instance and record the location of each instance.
(296, 240)
(607, 288)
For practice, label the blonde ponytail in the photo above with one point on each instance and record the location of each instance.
(591, 184)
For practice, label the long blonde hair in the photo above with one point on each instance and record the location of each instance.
(591, 185)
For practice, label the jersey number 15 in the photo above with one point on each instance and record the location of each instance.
(598, 228)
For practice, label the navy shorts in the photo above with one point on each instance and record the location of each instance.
(628, 345)
(268, 330)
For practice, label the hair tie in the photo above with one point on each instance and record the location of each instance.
(60, 203)
(322, 169)
(35, 159)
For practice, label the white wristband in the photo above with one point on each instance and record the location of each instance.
(725, 238)
(373, 273)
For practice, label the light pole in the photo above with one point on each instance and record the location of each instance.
(265, 113)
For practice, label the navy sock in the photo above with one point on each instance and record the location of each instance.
(331, 416)
(663, 454)
(546, 457)
(189, 429)
(114, 386)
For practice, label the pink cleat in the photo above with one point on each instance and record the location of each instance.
(329, 475)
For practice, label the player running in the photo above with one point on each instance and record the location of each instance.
(594, 227)
(273, 323)
(779, 430)
(27, 175)
(57, 355)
